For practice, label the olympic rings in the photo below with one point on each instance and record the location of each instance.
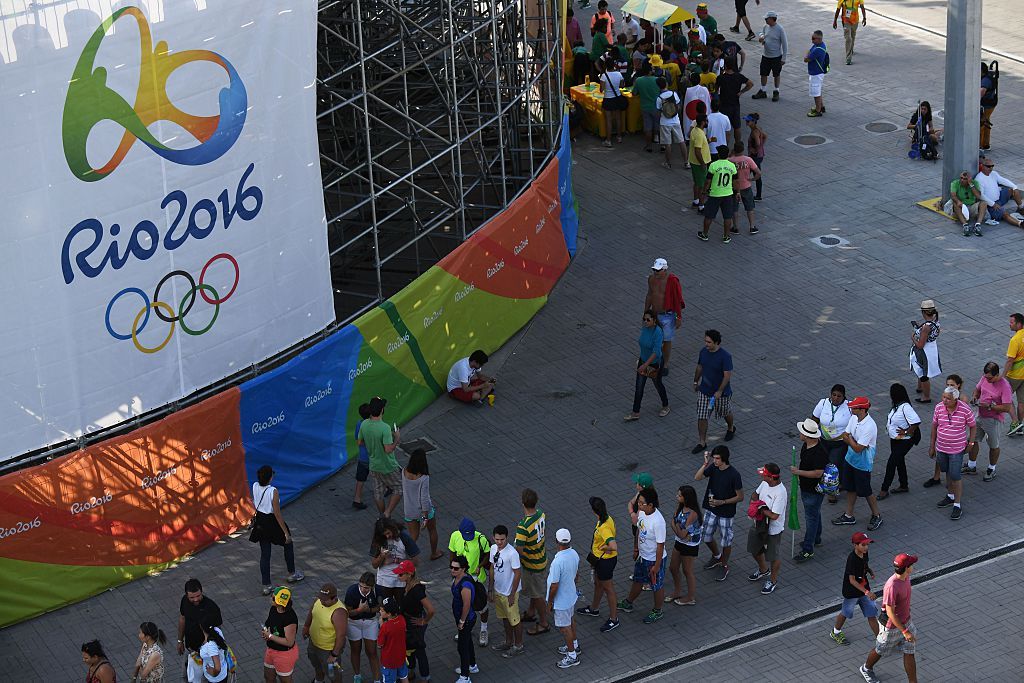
(156, 295)
(165, 312)
(135, 339)
(183, 309)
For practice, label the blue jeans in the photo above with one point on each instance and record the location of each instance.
(812, 513)
(289, 560)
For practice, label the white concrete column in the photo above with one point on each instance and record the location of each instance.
(962, 115)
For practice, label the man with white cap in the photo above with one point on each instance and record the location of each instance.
(899, 634)
(776, 49)
(953, 430)
(813, 460)
(562, 596)
(861, 436)
(665, 298)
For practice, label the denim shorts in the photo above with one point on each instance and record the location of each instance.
(394, 675)
(362, 471)
(995, 211)
(642, 573)
(667, 322)
(867, 607)
(950, 464)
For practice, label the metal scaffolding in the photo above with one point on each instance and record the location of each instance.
(433, 116)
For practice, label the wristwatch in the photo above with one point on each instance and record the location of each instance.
(335, 654)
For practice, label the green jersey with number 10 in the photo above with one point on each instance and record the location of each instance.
(721, 172)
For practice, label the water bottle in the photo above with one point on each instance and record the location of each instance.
(330, 670)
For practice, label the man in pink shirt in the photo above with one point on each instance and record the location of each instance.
(953, 430)
(745, 166)
(993, 396)
(899, 633)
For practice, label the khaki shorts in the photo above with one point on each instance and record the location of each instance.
(1017, 385)
(503, 611)
(990, 429)
(383, 481)
(535, 584)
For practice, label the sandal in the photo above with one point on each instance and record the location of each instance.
(669, 598)
(537, 630)
(684, 603)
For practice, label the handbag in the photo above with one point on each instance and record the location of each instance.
(592, 559)
(651, 372)
(617, 102)
(256, 535)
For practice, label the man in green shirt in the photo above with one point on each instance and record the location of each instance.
(964, 194)
(719, 189)
(646, 88)
(529, 542)
(706, 20)
(381, 443)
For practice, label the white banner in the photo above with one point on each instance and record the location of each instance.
(163, 218)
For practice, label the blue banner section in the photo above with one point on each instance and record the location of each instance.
(570, 221)
(293, 417)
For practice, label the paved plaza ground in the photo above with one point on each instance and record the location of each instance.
(797, 318)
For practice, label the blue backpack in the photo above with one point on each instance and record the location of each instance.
(829, 482)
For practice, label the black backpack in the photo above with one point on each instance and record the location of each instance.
(479, 596)
(991, 97)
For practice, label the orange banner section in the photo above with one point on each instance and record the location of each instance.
(147, 497)
(521, 252)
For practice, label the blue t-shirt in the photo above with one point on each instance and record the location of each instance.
(467, 581)
(650, 341)
(818, 57)
(713, 369)
(364, 455)
(563, 572)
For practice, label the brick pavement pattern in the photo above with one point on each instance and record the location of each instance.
(796, 317)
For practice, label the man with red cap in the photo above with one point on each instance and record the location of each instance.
(856, 591)
(861, 436)
(899, 633)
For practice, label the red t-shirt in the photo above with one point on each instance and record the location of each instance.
(897, 594)
(391, 639)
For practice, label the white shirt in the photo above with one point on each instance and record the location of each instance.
(776, 498)
(504, 562)
(632, 30)
(612, 83)
(695, 92)
(718, 67)
(460, 374)
(650, 531)
(718, 126)
(865, 433)
(989, 185)
(263, 497)
(663, 97)
(833, 419)
(208, 651)
(901, 418)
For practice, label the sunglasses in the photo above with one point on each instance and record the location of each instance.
(455, 567)
(988, 165)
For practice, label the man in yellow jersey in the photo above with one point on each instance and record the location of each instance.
(1013, 371)
(325, 627)
(720, 194)
(851, 11)
(533, 557)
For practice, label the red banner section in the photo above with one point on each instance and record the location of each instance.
(148, 497)
(520, 253)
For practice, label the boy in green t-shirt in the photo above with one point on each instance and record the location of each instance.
(719, 190)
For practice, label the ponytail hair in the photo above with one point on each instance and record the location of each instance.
(213, 635)
(150, 630)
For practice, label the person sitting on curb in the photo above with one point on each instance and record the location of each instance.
(996, 191)
(963, 203)
(465, 381)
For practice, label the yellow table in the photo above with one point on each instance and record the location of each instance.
(590, 97)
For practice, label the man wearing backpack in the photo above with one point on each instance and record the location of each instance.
(671, 128)
(817, 67)
(472, 545)
(813, 460)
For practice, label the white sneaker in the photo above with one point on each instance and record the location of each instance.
(473, 669)
(483, 639)
(991, 221)
(568, 661)
(464, 679)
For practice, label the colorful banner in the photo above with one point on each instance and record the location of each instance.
(134, 504)
(570, 221)
(164, 218)
(116, 511)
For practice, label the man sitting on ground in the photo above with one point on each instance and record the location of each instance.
(963, 203)
(465, 381)
(996, 191)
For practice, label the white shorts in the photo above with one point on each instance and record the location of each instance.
(671, 134)
(563, 618)
(814, 84)
(363, 629)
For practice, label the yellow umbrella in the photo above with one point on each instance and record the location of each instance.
(657, 12)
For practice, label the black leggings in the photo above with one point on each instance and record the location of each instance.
(467, 657)
(757, 183)
(418, 657)
(897, 463)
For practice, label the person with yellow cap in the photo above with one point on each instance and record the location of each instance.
(279, 632)
(706, 20)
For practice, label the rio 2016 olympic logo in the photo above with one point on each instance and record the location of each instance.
(166, 312)
(89, 101)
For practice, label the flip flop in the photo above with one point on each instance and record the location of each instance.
(669, 598)
(528, 619)
(683, 603)
(537, 631)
